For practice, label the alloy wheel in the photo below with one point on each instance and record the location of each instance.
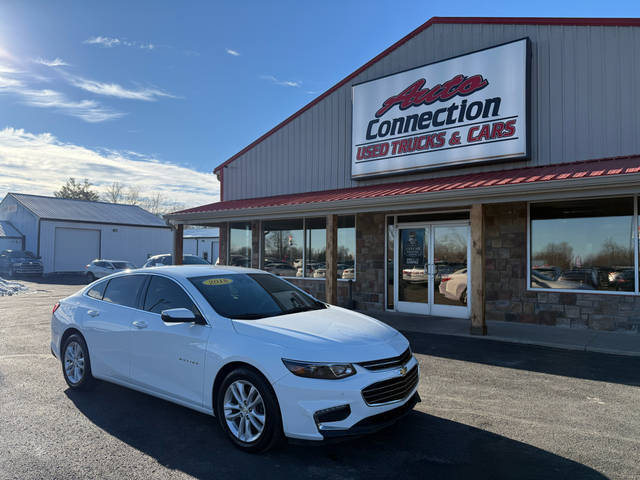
(74, 360)
(244, 411)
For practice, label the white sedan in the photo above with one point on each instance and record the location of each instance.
(260, 354)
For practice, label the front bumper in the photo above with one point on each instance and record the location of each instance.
(28, 269)
(302, 398)
(374, 423)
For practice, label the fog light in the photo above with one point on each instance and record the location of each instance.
(333, 414)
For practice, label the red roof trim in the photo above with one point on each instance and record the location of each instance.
(525, 175)
(592, 22)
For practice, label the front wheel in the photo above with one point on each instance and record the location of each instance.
(248, 411)
(76, 365)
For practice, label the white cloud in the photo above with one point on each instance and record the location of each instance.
(115, 90)
(233, 52)
(106, 42)
(283, 83)
(110, 42)
(40, 164)
(20, 84)
(56, 62)
(87, 110)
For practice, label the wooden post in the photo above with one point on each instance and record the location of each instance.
(478, 324)
(331, 275)
(178, 242)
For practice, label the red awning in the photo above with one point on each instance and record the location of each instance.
(529, 175)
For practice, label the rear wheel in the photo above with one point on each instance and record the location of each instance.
(91, 277)
(248, 411)
(463, 297)
(76, 365)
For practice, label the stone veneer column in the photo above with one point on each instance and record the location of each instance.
(478, 324)
(178, 244)
(331, 275)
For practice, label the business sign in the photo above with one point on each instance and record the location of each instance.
(468, 109)
(413, 247)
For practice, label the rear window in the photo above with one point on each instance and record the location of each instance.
(193, 260)
(122, 265)
(253, 295)
(124, 290)
(97, 290)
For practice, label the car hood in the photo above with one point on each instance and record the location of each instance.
(332, 334)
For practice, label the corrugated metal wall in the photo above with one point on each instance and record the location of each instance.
(585, 105)
(118, 242)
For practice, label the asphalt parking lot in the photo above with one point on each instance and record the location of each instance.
(489, 410)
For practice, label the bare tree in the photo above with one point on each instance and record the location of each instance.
(114, 193)
(156, 204)
(132, 196)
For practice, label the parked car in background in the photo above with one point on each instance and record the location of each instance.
(267, 359)
(167, 259)
(454, 286)
(622, 279)
(102, 268)
(20, 262)
(415, 275)
(281, 269)
(348, 274)
(320, 273)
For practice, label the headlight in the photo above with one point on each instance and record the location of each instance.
(327, 371)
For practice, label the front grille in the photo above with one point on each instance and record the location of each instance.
(388, 363)
(391, 390)
(29, 268)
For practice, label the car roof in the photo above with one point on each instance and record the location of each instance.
(186, 271)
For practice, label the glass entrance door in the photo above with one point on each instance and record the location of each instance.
(431, 269)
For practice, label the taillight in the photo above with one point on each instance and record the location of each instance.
(55, 307)
(445, 279)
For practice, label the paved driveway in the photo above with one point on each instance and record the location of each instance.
(489, 410)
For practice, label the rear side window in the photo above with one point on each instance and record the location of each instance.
(164, 294)
(124, 290)
(97, 290)
(167, 260)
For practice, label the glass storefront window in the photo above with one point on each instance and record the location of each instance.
(583, 245)
(240, 240)
(283, 243)
(347, 247)
(316, 251)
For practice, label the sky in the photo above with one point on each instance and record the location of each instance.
(156, 94)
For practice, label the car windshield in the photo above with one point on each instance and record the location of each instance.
(123, 265)
(193, 260)
(253, 295)
(21, 254)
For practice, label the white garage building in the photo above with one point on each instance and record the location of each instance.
(203, 242)
(68, 234)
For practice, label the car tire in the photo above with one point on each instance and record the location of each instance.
(91, 277)
(76, 364)
(463, 296)
(241, 420)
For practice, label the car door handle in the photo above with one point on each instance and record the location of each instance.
(93, 313)
(139, 324)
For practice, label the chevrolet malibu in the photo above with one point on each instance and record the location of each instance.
(263, 356)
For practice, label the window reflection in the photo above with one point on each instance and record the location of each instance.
(346, 247)
(240, 237)
(283, 242)
(316, 253)
(583, 245)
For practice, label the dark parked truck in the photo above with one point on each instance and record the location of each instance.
(20, 262)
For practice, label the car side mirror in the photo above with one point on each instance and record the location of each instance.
(177, 315)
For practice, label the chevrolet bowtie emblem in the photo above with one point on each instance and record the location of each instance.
(403, 371)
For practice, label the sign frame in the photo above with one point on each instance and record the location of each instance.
(464, 163)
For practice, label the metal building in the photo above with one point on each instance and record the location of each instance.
(68, 234)
(484, 168)
(203, 242)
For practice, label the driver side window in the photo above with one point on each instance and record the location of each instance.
(164, 294)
